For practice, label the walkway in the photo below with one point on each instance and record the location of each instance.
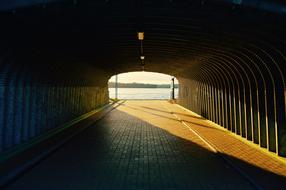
(154, 145)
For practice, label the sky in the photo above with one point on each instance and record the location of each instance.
(143, 77)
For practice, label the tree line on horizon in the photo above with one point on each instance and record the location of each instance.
(139, 85)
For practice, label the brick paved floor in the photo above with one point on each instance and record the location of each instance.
(140, 145)
(265, 170)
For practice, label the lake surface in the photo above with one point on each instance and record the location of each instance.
(142, 93)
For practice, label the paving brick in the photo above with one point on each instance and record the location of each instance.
(259, 166)
(139, 145)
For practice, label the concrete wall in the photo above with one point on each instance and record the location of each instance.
(32, 104)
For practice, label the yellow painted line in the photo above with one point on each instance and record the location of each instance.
(192, 130)
(240, 138)
(217, 152)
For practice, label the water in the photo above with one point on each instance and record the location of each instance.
(142, 93)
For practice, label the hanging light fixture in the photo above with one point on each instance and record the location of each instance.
(140, 36)
(142, 62)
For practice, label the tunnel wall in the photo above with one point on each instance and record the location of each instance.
(230, 59)
(35, 100)
(252, 107)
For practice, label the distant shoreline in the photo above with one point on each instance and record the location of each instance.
(139, 85)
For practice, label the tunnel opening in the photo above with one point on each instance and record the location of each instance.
(143, 86)
(56, 57)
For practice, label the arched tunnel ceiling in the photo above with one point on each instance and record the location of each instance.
(229, 56)
(182, 38)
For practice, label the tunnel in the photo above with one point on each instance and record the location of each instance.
(56, 57)
(143, 85)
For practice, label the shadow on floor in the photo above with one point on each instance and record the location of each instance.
(124, 152)
(170, 118)
(187, 115)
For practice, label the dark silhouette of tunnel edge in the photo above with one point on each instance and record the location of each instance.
(234, 76)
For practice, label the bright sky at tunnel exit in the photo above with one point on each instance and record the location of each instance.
(144, 77)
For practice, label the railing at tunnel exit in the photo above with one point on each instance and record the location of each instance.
(143, 93)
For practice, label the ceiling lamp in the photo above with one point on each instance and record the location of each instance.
(140, 36)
